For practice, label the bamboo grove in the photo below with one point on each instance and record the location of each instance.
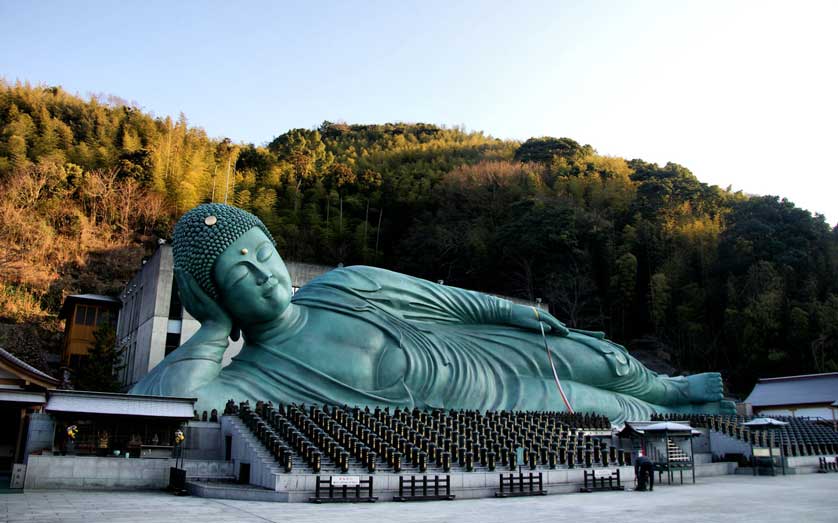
(697, 276)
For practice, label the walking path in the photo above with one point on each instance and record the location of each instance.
(801, 498)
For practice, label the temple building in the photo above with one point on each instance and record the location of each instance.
(23, 390)
(809, 395)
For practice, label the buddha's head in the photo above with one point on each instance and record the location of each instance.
(231, 255)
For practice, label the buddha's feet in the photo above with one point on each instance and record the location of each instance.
(705, 387)
(723, 407)
(727, 407)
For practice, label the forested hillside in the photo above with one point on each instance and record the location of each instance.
(667, 265)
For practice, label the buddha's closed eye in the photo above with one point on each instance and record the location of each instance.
(264, 252)
(237, 274)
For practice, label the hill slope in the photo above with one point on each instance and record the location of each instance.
(709, 278)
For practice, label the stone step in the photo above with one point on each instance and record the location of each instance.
(232, 490)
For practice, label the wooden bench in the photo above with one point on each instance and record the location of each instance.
(360, 492)
(594, 483)
(522, 485)
(425, 489)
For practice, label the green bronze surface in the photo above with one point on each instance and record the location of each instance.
(368, 336)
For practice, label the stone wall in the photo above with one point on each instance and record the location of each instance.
(804, 464)
(40, 434)
(90, 472)
(203, 441)
(721, 444)
(465, 485)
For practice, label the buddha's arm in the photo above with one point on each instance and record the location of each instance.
(193, 365)
(198, 360)
(420, 300)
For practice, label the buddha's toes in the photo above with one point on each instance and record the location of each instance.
(705, 387)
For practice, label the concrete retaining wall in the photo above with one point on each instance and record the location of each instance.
(804, 464)
(91, 472)
(247, 449)
(701, 444)
(701, 458)
(721, 444)
(715, 469)
(204, 441)
(299, 487)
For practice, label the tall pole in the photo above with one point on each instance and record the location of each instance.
(214, 173)
(378, 230)
(227, 179)
(692, 455)
(782, 455)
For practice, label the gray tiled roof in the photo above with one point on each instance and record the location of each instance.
(80, 401)
(14, 360)
(795, 390)
(94, 297)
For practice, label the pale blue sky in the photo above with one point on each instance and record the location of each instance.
(742, 93)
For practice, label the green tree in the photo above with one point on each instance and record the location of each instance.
(545, 149)
(98, 371)
(623, 285)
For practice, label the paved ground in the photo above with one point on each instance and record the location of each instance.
(798, 499)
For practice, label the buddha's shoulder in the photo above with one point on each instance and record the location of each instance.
(361, 278)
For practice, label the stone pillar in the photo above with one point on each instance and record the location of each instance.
(40, 435)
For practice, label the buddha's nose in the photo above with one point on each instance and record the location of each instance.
(262, 276)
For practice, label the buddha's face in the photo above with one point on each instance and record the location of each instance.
(252, 279)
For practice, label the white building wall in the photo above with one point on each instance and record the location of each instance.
(141, 331)
(157, 344)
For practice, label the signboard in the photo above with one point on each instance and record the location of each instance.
(519, 455)
(18, 476)
(349, 481)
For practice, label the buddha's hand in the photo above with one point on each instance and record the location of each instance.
(530, 318)
(178, 375)
(213, 318)
(198, 361)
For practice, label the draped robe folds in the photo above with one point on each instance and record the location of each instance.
(459, 352)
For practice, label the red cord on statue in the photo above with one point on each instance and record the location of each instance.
(552, 365)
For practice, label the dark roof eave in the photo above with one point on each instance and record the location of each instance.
(30, 373)
(86, 298)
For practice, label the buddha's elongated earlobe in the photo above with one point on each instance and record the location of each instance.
(235, 332)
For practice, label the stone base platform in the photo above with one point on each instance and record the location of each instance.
(90, 472)
(806, 498)
(300, 487)
(216, 479)
(230, 490)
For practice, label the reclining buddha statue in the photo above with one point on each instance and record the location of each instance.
(368, 336)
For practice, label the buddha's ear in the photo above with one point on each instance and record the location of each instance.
(235, 332)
